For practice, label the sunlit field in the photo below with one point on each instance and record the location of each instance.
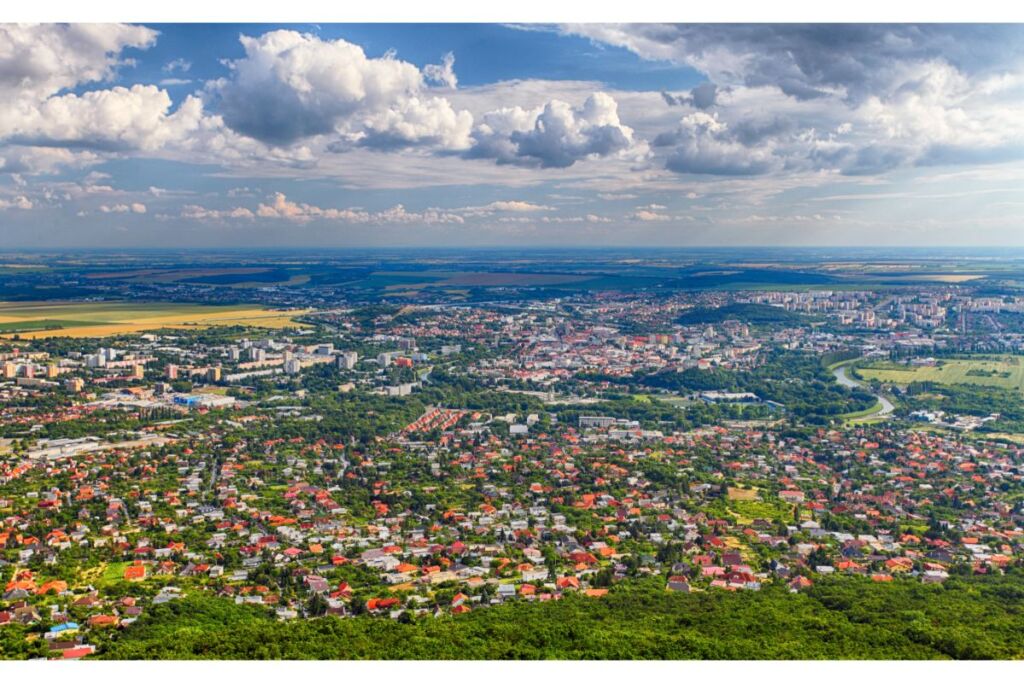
(33, 320)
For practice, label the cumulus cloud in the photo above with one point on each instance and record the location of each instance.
(515, 205)
(702, 144)
(280, 207)
(19, 202)
(889, 95)
(292, 86)
(647, 216)
(816, 60)
(116, 119)
(443, 73)
(200, 213)
(39, 60)
(135, 207)
(701, 97)
(413, 122)
(32, 160)
(42, 128)
(556, 135)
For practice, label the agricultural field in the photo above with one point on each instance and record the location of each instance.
(1006, 372)
(31, 320)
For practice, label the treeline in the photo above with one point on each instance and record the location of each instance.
(841, 618)
(968, 399)
(796, 380)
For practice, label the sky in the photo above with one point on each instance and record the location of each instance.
(396, 135)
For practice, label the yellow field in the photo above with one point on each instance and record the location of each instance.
(101, 319)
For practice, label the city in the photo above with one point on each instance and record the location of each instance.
(351, 341)
(414, 461)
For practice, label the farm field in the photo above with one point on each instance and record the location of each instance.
(32, 320)
(1006, 372)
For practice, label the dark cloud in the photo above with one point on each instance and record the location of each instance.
(809, 61)
(701, 97)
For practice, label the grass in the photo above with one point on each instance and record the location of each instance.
(999, 436)
(104, 575)
(860, 414)
(1006, 372)
(16, 326)
(748, 510)
(735, 493)
(99, 319)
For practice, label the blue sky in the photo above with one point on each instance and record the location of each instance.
(483, 134)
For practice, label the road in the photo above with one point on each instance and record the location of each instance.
(841, 375)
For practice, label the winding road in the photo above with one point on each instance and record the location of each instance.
(843, 377)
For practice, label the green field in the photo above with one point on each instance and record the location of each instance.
(1006, 372)
(41, 324)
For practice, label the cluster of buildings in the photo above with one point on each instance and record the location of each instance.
(210, 469)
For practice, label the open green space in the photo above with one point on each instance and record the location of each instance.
(1005, 371)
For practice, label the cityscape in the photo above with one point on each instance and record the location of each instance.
(506, 342)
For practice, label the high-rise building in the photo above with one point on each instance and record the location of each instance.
(138, 371)
(292, 366)
(348, 360)
(171, 371)
(213, 374)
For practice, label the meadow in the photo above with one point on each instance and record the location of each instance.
(31, 320)
(1006, 372)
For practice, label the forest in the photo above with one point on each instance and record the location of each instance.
(837, 618)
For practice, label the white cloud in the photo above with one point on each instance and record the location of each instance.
(136, 118)
(134, 207)
(33, 160)
(280, 207)
(181, 65)
(858, 99)
(443, 73)
(194, 212)
(556, 135)
(292, 86)
(39, 60)
(701, 143)
(506, 206)
(650, 216)
(19, 202)
(415, 121)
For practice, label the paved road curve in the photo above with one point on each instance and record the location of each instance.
(841, 375)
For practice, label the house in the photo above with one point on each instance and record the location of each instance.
(679, 583)
(799, 583)
(135, 572)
